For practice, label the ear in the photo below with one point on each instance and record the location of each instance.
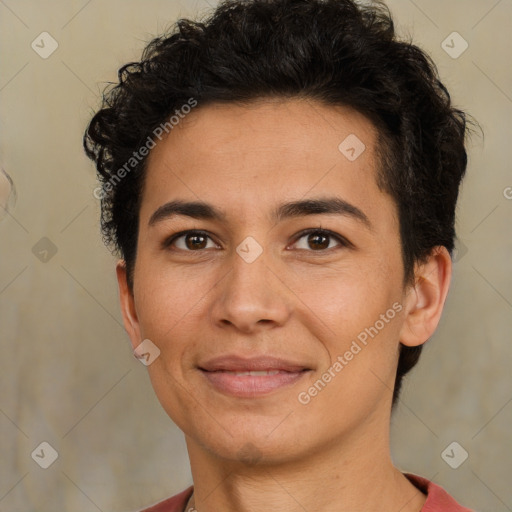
(126, 298)
(424, 301)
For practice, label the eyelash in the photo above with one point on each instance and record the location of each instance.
(343, 242)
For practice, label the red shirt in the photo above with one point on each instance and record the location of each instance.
(438, 500)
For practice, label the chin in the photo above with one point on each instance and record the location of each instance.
(257, 447)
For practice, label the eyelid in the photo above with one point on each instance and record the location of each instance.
(343, 242)
(171, 239)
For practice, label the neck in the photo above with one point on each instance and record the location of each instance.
(344, 475)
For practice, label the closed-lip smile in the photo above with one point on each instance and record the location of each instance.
(247, 377)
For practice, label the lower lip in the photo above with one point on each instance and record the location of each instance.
(244, 386)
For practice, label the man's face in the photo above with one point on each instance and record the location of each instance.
(215, 306)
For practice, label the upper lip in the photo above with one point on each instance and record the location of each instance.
(235, 363)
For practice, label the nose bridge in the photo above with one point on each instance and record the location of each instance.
(251, 295)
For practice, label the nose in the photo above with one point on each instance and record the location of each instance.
(251, 297)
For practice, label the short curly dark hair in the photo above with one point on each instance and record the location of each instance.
(337, 52)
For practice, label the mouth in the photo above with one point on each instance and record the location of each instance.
(253, 377)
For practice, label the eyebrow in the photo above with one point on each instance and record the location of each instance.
(300, 208)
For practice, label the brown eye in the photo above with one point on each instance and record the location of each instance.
(195, 241)
(316, 240)
(190, 241)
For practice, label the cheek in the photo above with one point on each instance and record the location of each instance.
(169, 299)
(356, 315)
(170, 311)
(359, 374)
(345, 300)
(333, 302)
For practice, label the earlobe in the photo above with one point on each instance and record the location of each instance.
(127, 302)
(425, 300)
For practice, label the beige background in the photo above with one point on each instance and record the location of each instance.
(67, 374)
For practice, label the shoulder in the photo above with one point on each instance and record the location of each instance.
(438, 500)
(174, 504)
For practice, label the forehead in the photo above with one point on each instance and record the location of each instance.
(246, 158)
(292, 125)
